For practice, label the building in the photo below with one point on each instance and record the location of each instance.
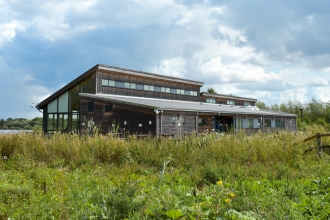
(141, 102)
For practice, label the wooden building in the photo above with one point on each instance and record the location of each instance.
(141, 102)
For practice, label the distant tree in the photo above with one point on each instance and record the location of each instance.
(261, 105)
(211, 90)
(2, 123)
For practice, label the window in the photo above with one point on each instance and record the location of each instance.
(246, 103)
(157, 89)
(151, 88)
(178, 91)
(108, 108)
(195, 93)
(268, 123)
(112, 83)
(173, 91)
(230, 102)
(119, 84)
(186, 92)
(162, 89)
(173, 120)
(168, 90)
(279, 123)
(183, 120)
(105, 82)
(250, 123)
(191, 93)
(90, 106)
(182, 92)
(127, 85)
(210, 100)
(133, 86)
(146, 87)
(239, 123)
(139, 86)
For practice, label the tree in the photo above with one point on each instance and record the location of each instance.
(211, 90)
(261, 105)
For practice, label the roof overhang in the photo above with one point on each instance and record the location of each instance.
(182, 106)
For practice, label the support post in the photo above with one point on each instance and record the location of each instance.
(319, 144)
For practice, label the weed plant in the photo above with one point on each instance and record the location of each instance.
(205, 176)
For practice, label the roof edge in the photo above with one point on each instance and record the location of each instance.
(148, 74)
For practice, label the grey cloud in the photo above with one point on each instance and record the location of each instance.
(274, 85)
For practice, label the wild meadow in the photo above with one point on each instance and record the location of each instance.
(206, 176)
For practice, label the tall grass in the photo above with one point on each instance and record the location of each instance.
(124, 178)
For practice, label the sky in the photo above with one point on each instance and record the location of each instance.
(274, 51)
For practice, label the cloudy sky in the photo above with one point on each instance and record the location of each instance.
(274, 51)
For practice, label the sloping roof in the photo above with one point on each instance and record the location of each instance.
(114, 69)
(174, 105)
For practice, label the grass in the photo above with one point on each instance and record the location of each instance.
(264, 176)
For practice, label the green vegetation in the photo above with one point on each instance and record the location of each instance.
(209, 176)
(21, 124)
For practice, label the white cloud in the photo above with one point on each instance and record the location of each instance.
(171, 67)
(317, 82)
(236, 72)
(8, 31)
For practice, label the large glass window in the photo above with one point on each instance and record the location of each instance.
(246, 103)
(87, 86)
(63, 102)
(239, 123)
(268, 123)
(250, 123)
(74, 99)
(52, 107)
(279, 123)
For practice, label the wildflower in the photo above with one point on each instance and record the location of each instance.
(227, 200)
(219, 183)
(232, 195)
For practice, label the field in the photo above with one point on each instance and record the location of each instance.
(265, 176)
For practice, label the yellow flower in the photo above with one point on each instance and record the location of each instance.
(219, 183)
(227, 200)
(232, 195)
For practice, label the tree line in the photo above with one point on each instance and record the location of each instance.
(21, 124)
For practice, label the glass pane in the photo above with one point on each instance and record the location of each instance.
(133, 86)
(168, 90)
(74, 99)
(50, 122)
(127, 85)
(63, 102)
(112, 83)
(151, 88)
(173, 91)
(139, 86)
(74, 121)
(52, 107)
(105, 82)
(119, 84)
(162, 89)
(186, 92)
(87, 86)
(146, 87)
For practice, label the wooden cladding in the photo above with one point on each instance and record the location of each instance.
(128, 119)
(145, 81)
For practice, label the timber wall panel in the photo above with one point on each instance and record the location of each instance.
(120, 113)
(147, 81)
